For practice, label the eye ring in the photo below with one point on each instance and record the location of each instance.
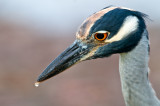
(101, 36)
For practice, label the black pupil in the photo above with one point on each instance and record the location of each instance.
(100, 36)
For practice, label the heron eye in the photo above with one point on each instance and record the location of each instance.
(101, 36)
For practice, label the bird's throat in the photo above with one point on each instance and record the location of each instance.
(133, 67)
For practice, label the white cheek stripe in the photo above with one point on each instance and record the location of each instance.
(130, 25)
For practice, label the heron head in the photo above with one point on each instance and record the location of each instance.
(111, 30)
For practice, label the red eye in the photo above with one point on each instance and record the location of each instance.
(101, 36)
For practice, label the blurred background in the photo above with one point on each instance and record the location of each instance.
(34, 32)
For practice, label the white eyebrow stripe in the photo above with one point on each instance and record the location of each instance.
(101, 31)
(130, 25)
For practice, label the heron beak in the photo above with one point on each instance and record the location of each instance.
(72, 55)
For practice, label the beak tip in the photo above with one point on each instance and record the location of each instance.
(40, 79)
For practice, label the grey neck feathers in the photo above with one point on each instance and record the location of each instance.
(133, 67)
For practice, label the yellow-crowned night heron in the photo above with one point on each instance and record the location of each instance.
(113, 30)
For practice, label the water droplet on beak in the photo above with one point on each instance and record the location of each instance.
(36, 84)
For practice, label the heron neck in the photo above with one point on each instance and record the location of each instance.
(133, 67)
